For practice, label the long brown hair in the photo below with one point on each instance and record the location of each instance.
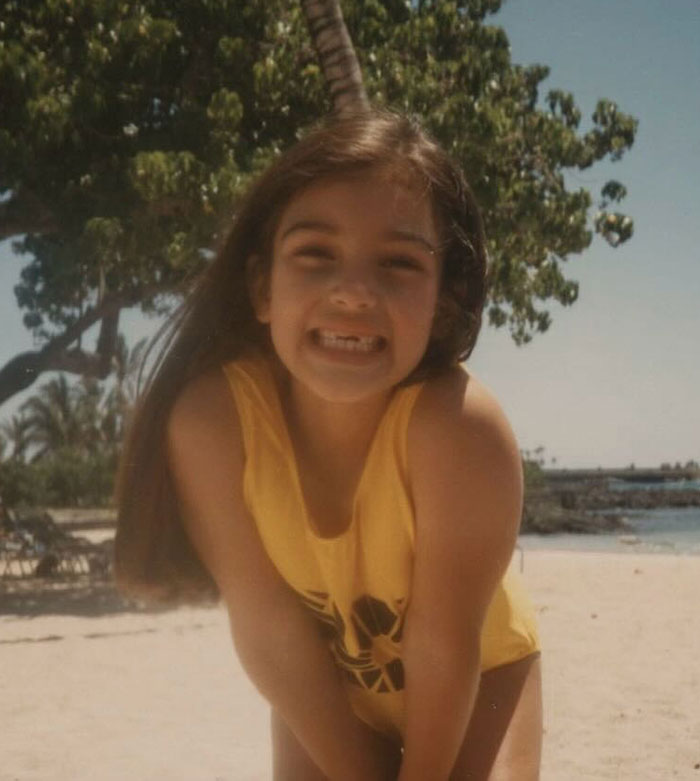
(216, 323)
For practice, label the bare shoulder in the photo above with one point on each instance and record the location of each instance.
(463, 457)
(205, 456)
(458, 410)
(202, 401)
(203, 422)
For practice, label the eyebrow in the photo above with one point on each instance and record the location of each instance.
(416, 238)
(309, 225)
(396, 234)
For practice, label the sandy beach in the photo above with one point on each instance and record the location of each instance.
(93, 689)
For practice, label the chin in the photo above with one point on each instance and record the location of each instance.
(350, 385)
(344, 392)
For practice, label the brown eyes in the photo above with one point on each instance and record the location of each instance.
(315, 256)
(313, 252)
(404, 262)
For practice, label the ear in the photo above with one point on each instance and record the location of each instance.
(258, 281)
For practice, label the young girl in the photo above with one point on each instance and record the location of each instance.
(310, 449)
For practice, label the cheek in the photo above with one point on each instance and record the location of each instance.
(417, 318)
(290, 297)
(278, 292)
(419, 304)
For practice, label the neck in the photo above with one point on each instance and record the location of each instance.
(332, 433)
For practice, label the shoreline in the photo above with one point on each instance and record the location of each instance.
(99, 689)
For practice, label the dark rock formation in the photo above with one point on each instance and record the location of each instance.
(590, 507)
(545, 512)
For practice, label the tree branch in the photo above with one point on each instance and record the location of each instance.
(21, 371)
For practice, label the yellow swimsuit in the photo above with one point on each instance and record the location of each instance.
(358, 583)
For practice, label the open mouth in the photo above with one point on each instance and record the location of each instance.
(335, 340)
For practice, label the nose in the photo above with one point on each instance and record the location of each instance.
(353, 293)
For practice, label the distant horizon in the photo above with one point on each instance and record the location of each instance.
(664, 468)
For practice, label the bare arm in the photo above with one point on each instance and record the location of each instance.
(466, 475)
(276, 640)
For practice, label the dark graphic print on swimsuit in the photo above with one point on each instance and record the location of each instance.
(370, 618)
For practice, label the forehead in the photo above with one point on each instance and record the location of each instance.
(372, 201)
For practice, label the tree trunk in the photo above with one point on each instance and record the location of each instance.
(336, 54)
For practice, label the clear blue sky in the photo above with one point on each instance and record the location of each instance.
(616, 379)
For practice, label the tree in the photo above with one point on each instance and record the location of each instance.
(64, 416)
(15, 432)
(66, 440)
(51, 417)
(131, 128)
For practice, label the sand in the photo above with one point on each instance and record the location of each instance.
(90, 688)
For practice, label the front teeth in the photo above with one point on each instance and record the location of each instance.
(358, 344)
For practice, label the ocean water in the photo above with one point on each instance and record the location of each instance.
(667, 530)
(670, 485)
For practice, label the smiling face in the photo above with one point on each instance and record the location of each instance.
(353, 286)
